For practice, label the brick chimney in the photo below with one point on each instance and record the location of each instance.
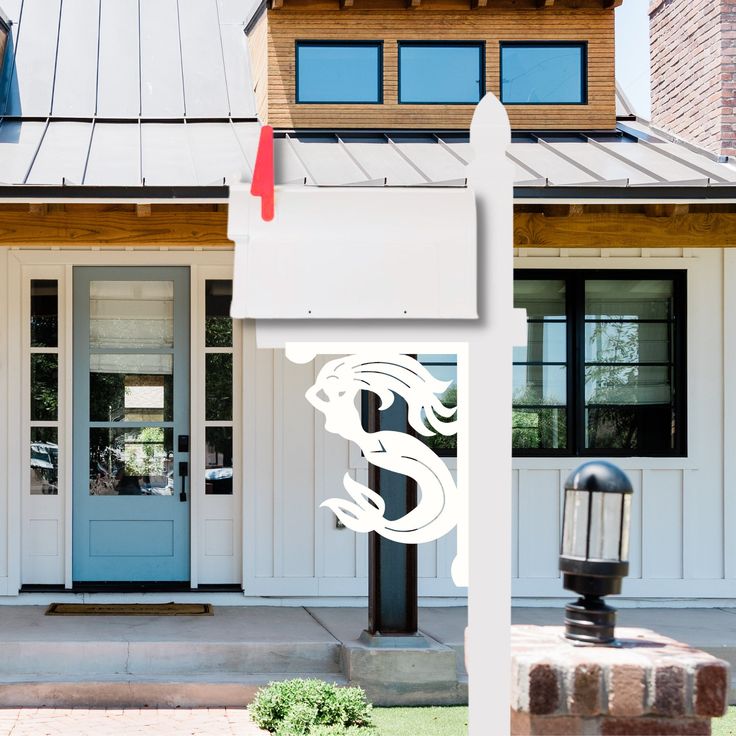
(693, 52)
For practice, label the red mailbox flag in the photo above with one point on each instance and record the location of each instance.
(263, 177)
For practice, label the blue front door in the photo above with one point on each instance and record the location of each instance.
(131, 424)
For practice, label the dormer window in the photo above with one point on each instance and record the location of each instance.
(339, 72)
(544, 73)
(441, 73)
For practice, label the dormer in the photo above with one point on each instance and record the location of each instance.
(412, 64)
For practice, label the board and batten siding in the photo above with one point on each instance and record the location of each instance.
(490, 24)
(292, 546)
(682, 507)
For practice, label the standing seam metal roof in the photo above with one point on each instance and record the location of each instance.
(144, 94)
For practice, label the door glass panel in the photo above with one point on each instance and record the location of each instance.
(218, 460)
(219, 386)
(131, 388)
(44, 461)
(131, 314)
(218, 325)
(44, 387)
(131, 462)
(44, 313)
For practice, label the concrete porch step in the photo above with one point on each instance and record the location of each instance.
(224, 690)
(219, 660)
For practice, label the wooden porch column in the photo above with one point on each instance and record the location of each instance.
(392, 566)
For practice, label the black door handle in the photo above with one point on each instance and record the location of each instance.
(183, 473)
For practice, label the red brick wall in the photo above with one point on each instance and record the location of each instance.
(693, 92)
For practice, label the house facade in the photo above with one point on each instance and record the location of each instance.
(169, 451)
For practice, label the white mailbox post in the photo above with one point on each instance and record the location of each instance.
(441, 275)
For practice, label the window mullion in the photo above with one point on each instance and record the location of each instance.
(577, 296)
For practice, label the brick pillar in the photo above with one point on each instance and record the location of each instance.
(649, 686)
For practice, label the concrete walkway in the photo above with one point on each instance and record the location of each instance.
(131, 722)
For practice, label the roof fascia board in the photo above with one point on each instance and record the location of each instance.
(257, 15)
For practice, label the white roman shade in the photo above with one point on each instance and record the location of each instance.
(356, 253)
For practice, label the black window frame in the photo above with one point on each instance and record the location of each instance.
(480, 45)
(582, 45)
(378, 44)
(575, 353)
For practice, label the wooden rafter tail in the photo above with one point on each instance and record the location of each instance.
(612, 3)
(276, 4)
(345, 4)
(475, 4)
(545, 3)
(413, 4)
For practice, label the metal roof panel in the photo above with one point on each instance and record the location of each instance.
(114, 155)
(205, 91)
(328, 163)
(663, 166)
(162, 90)
(383, 162)
(119, 93)
(166, 155)
(237, 71)
(551, 166)
(18, 145)
(608, 167)
(434, 160)
(75, 88)
(35, 58)
(216, 152)
(62, 155)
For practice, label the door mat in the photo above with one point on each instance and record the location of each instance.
(130, 609)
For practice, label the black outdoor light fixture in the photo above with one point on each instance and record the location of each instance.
(595, 547)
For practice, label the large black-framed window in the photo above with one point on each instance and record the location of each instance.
(604, 371)
(339, 72)
(441, 72)
(544, 72)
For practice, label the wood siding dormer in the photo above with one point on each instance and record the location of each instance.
(274, 35)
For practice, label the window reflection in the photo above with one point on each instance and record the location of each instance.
(131, 388)
(218, 325)
(219, 386)
(218, 461)
(131, 462)
(44, 387)
(44, 461)
(44, 313)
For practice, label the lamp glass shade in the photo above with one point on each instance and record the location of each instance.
(575, 524)
(606, 510)
(626, 527)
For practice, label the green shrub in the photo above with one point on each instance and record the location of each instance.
(312, 708)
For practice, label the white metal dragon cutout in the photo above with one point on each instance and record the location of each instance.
(335, 392)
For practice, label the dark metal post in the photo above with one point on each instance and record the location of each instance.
(392, 566)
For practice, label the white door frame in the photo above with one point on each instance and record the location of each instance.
(24, 264)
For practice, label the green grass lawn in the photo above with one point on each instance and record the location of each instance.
(725, 726)
(448, 721)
